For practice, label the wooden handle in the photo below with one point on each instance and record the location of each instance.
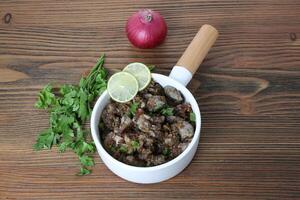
(198, 48)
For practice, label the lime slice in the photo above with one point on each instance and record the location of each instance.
(141, 72)
(122, 87)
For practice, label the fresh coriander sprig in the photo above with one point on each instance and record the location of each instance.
(151, 67)
(133, 108)
(167, 111)
(69, 110)
(192, 117)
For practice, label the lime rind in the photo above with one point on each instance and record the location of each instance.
(122, 87)
(141, 72)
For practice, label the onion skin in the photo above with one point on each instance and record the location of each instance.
(146, 29)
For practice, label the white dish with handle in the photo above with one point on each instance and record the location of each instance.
(179, 77)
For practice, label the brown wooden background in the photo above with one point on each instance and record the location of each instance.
(248, 90)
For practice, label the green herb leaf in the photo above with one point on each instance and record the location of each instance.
(192, 117)
(44, 140)
(84, 171)
(123, 149)
(133, 108)
(112, 149)
(82, 147)
(166, 152)
(151, 67)
(167, 111)
(135, 145)
(46, 98)
(86, 160)
(83, 109)
(62, 147)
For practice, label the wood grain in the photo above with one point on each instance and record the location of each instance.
(248, 90)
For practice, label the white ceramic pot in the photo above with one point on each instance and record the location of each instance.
(179, 78)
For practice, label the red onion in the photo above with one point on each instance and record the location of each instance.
(146, 29)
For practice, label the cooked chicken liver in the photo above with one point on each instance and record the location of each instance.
(157, 131)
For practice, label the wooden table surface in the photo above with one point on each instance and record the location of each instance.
(248, 90)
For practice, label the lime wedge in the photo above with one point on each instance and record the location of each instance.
(141, 72)
(122, 87)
